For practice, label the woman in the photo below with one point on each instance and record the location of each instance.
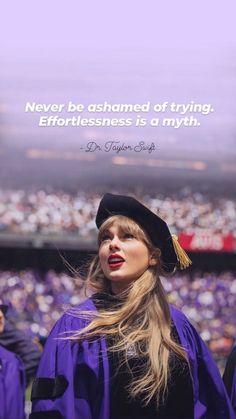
(124, 353)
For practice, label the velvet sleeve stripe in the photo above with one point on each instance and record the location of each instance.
(48, 388)
(46, 414)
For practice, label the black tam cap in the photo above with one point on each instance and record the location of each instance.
(156, 228)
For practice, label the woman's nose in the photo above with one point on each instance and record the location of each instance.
(114, 243)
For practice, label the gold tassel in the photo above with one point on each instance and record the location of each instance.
(180, 253)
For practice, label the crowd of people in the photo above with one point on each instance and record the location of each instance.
(209, 300)
(56, 212)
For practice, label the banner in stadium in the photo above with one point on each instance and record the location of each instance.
(206, 241)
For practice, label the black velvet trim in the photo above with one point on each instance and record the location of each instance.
(46, 414)
(48, 388)
(229, 371)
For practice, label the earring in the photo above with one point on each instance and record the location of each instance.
(152, 262)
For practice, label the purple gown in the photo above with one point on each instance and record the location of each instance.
(229, 377)
(76, 375)
(12, 386)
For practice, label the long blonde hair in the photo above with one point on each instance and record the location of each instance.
(141, 320)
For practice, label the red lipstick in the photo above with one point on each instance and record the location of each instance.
(115, 261)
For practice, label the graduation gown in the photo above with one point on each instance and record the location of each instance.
(229, 377)
(16, 341)
(73, 378)
(12, 386)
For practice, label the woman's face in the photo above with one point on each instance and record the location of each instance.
(123, 257)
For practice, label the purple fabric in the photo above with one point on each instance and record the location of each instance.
(12, 386)
(86, 368)
(18, 342)
(80, 364)
(233, 390)
(210, 396)
(229, 377)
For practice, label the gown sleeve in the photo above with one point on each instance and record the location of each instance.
(12, 386)
(66, 385)
(16, 341)
(211, 399)
(229, 377)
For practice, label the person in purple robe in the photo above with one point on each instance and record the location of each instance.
(12, 380)
(16, 341)
(125, 353)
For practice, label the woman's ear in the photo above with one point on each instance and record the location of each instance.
(154, 257)
(153, 260)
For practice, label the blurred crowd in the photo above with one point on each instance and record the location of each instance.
(36, 301)
(47, 213)
(56, 212)
(209, 300)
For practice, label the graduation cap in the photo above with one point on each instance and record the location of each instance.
(155, 228)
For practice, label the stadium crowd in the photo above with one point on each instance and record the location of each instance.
(209, 300)
(56, 212)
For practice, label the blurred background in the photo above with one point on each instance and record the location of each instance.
(50, 188)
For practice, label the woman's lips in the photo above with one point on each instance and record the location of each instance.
(115, 261)
(115, 265)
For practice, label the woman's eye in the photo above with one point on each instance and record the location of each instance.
(105, 237)
(128, 236)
